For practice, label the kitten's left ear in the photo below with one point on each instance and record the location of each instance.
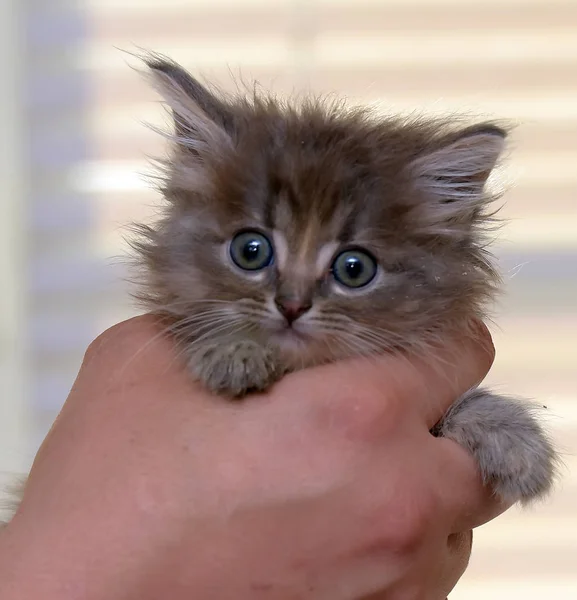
(458, 170)
(202, 121)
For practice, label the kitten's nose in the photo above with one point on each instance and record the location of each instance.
(291, 310)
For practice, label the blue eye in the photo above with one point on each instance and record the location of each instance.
(251, 250)
(354, 268)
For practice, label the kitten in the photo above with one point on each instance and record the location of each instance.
(297, 234)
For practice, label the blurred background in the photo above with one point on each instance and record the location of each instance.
(74, 151)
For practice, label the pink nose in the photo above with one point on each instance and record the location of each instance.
(291, 310)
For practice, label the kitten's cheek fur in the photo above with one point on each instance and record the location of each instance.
(515, 455)
(235, 368)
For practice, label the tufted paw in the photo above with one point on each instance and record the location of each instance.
(514, 453)
(235, 369)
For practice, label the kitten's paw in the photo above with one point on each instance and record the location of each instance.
(514, 453)
(236, 368)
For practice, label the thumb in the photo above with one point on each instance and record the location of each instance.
(428, 382)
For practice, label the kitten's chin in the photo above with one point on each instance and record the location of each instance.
(295, 347)
(291, 339)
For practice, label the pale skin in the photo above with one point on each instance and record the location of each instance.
(328, 487)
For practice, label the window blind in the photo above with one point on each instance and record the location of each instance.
(509, 58)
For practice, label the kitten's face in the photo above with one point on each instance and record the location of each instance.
(323, 233)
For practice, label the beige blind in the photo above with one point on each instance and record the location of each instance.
(504, 58)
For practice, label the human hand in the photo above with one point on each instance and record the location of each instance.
(328, 487)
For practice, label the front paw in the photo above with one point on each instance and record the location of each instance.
(236, 368)
(513, 451)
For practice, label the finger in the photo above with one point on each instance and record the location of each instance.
(451, 562)
(446, 372)
(126, 375)
(121, 364)
(469, 502)
(429, 382)
(137, 354)
(458, 553)
(138, 345)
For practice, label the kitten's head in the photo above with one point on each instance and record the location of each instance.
(325, 231)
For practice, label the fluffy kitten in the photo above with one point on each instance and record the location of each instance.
(297, 234)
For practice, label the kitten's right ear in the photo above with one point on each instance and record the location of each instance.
(459, 169)
(201, 120)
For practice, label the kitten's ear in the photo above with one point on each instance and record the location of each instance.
(201, 120)
(458, 170)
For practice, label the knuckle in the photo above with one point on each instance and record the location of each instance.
(409, 533)
(122, 339)
(367, 416)
(485, 346)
